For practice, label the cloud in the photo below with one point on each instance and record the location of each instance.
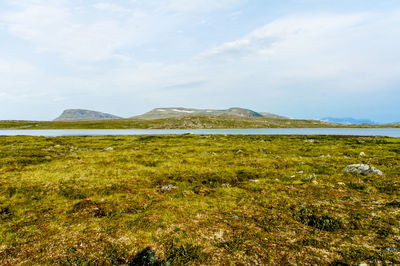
(51, 29)
(72, 30)
(343, 52)
(265, 40)
(198, 5)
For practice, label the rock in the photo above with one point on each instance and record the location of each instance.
(341, 184)
(170, 187)
(391, 249)
(362, 154)
(254, 180)
(309, 141)
(109, 149)
(300, 172)
(363, 169)
(239, 151)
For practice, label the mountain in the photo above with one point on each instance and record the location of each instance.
(179, 111)
(80, 114)
(348, 121)
(269, 115)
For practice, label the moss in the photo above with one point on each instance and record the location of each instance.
(281, 200)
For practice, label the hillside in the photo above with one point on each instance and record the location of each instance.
(179, 111)
(81, 114)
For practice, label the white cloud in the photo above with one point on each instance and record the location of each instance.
(344, 52)
(197, 5)
(51, 29)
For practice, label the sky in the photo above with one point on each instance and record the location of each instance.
(298, 58)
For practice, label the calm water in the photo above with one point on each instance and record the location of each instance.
(390, 132)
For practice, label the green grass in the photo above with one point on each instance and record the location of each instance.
(184, 122)
(238, 199)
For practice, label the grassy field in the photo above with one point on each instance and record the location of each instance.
(182, 200)
(184, 122)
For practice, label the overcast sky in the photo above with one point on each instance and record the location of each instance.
(299, 58)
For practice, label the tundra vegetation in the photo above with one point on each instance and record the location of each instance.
(183, 122)
(189, 200)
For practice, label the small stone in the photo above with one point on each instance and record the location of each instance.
(391, 249)
(309, 141)
(341, 184)
(300, 172)
(109, 149)
(239, 151)
(254, 180)
(169, 187)
(363, 169)
(136, 148)
(362, 154)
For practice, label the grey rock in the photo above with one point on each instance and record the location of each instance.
(169, 187)
(363, 169)
(109, 149)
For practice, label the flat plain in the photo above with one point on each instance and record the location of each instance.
(184, 122)
(189, 200)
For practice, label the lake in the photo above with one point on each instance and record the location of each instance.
(390, 132)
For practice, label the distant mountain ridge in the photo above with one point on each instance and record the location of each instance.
(82, 114)
(348, 121)
(170, 112)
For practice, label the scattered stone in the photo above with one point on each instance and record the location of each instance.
(391, 249)
(362, 264)
(239, 151)
(109, 149)
(254, 180)
(169, 187)
(57, 146)
(214, 153)
(293, 176)
(226, 185)
(136, 148)
(363, 169)
(300, 172)
(362, 154)
(309, 141)
(236, 217)
(341, 184)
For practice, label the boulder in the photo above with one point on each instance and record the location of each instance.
(363, 169)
